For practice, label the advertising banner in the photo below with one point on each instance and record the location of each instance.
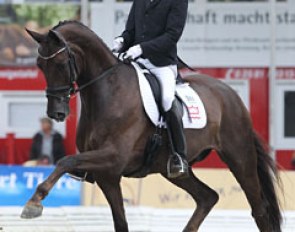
(17, 184)
(155, 191)
(218, 34)
(238, 35)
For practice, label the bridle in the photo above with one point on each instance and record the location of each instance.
(64, 93)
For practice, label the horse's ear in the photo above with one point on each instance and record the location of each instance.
(55, 36)
(36, 36)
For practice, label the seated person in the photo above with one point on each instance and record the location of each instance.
(44, 160)
(47, 143)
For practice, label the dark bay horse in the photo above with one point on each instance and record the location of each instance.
(113, 129)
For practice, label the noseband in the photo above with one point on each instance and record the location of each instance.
(64, 93)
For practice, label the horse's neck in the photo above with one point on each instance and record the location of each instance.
(93, 55)
(97, 97)
(95, 59)
(109, 97)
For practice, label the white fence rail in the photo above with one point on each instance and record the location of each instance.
(90, 219)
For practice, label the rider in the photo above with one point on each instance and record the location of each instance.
(152, 31)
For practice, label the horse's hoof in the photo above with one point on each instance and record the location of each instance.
(32, 211)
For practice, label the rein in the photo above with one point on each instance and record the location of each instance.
(72, 91)
(104, 74)
(64, 93)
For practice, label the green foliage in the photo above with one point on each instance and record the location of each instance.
(45, 15)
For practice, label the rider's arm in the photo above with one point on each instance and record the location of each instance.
(129, 32)
(173, 31)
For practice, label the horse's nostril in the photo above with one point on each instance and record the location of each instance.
(60, 116)
(51, 115)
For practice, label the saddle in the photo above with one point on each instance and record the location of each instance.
(156, 88)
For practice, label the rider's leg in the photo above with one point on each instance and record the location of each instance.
(178, 165)
(167, 77)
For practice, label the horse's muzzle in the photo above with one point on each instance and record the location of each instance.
(57, 109)
(58, 116)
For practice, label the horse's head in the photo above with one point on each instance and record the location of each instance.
(57, 61)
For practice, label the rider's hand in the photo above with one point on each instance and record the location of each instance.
(133, 52)
(118, 44)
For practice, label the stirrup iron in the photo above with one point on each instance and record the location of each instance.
(182, 170)
(78, 178)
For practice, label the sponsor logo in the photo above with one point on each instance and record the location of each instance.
(194, 112)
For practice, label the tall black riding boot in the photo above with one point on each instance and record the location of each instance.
(177, 165)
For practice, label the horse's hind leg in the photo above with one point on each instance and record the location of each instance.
(204, 196)
(244, 168)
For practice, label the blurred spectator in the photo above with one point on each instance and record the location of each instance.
(47, 147)
(43, 161)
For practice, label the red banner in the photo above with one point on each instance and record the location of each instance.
(21, 79)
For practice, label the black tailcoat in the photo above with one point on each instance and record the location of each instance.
(157, 26)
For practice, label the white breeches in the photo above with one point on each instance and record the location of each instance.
(167, 77)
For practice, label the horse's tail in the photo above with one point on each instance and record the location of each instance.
(268, 175)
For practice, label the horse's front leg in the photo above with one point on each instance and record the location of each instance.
(110, 186)
(93, 161)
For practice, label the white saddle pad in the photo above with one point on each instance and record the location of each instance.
(194, 116)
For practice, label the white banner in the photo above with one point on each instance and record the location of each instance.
(218, 34)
